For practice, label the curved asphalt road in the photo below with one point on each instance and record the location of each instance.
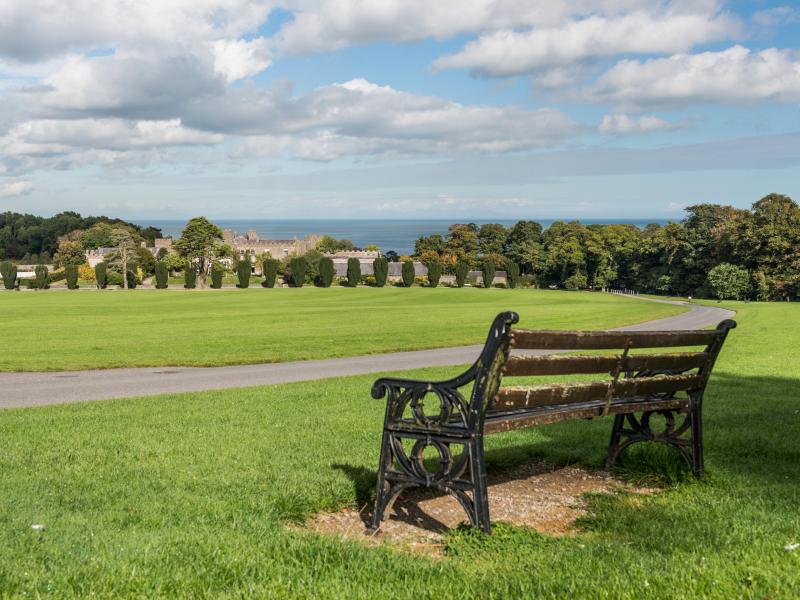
(38, 389)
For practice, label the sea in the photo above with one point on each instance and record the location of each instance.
(397, 235)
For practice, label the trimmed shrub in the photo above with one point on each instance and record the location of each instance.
(9, 272)
(487, 271)
(512, 274)
(270, 269)
(380, 267)
(72, 276)
(326, 272)
(243, 274)
(190, 278)
(408, 273)
(133, 279)
(58, 275)
(576, 282)
(42, 277)
(101, 275)
(434, 273)
(217, 272)
(353, 272)
(162, 275)
(462, 270)
(114, 278)
(297, 266)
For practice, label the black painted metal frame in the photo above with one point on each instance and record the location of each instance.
(460, 422)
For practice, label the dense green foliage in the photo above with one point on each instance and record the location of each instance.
(132, 280)
(190, 277)
(69, 253)
(9, 272)
(672, 259)
(488, 270)
(353, 272)
(135, 503)
(326, 272)
(71, 275)
(407, 273)
(434, 273)
(42, 279)
(200, 244)
(270, 268)
(217, 272)
(728, 281)
(162, 275)
(298, 324)
(101, 275)
(512, 274)
(380, 269)
(243, 271)
(330, 245)
(297, 271)
(27, 237)
(462, 270)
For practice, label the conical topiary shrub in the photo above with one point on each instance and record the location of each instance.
(462, 270)
(488, 270)
(243, 273)
(162, 275)
(353, 272)
(380, 268)
(326, 272)
(101, 275)
(217, 272)
(408, 273)
(270, 269)
(434, 273)
(190, 278)
(512, 274)
(71, 272)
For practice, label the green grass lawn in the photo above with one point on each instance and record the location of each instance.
(63, 330)
(188, 495)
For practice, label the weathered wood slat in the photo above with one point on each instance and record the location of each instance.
(568, 365)
(608, 340)
(549, 395)
(555, 414)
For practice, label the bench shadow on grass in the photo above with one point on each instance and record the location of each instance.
(751, 428)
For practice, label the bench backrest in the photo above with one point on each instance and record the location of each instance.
(628, 374)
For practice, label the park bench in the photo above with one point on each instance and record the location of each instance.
(667, 383)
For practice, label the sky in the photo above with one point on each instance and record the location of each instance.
(472, 109)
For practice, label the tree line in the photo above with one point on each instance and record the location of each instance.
(715, 251)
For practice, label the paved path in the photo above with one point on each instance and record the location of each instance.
(36, 389)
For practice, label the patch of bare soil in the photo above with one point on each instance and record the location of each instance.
(535, 495)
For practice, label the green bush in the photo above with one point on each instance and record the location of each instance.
(434, 273)
(408, 273)
(488, 269)
(57, 275)
(297, 266)
(575, 282)
(71, 276)
(380, 267)
(114, 278)
(9, 272)
(133, 280)
(190, 278)
(462, 270)
(42, 277)
(101, 275)
(527, 281)
(270, 269)
(512, 274)
(162, 275)
(353, 272)
(243, 270)
(217, 272)
(326, 272)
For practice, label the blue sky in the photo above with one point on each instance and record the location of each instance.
(397, 108)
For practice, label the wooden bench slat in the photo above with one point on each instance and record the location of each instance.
(520, 365)
(608, 340)
(548, 395)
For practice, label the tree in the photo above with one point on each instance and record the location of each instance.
(392, 256)
(380, 268)
(69, 253)
(434, 273)
(512, 274)
(101, 275)
(270, 269)
(462, 242)
(524, 245)
(200, 244)
(488, 271)
(326, 272)
(9, 272)
(145, 260)
(492, 239)
(124, 247)
(297, 271)
(353, 272)
(330, 245)
(462, 270)
(729, 281)
(71, 272)
(162, 275)
(408, 273)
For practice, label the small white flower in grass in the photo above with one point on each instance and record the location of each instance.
(791, 547)
(37, 527)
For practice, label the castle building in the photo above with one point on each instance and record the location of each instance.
(256, 246)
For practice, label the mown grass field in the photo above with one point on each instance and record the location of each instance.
(188, 496)
(70, 330)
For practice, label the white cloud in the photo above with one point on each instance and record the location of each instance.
(15, 188)
(735, 75)
(622, 123)
(510, 52)
(238, 59)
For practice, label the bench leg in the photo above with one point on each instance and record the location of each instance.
(613, 446)
(480, 494)
(383, 492)
(698, 458)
